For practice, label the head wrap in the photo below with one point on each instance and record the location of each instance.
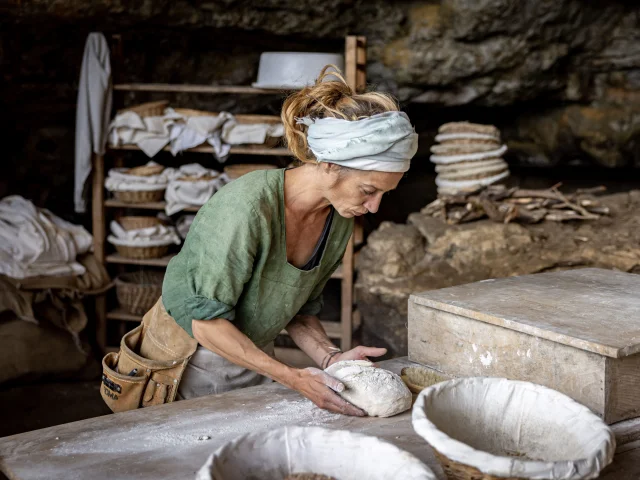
(385, 142)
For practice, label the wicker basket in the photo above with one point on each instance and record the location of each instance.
(145, 170)
(139, 196)
(150, 109)
(499, 429)
(138, 291)
(136, 222)
(142, 252)
(189, 112)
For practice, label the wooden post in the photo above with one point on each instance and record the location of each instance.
(98, 221)
(355, 59)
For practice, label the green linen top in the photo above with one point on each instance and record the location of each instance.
(233, 264)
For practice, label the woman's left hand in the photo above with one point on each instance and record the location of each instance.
(358, 353)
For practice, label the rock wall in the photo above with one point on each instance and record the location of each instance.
(427, 254)
(562, 78)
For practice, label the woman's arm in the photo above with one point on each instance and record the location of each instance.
(223, 338)
(307, 332)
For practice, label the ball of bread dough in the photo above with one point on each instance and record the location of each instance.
(379, 392)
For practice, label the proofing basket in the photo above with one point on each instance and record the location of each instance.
(140, 196)
(497, 429)
(275, 454)
(141, 252)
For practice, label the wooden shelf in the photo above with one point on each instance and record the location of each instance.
(151, 262)
(178, 88)
(244, 150)
(144, 206)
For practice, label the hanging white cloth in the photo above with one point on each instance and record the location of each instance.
(92, 112)
(34, 241)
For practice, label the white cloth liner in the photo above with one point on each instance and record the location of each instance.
(508, 416)
(385, 142)
(119, 181)
(183, 132)
(34, 241)
(443, 137)
(473, 166)
(465, 157)
(481, 182)
(155, 236)
(272, 455)
(182, 193)
(92, 111)
(486, 169)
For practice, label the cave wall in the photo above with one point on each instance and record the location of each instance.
(560, 78)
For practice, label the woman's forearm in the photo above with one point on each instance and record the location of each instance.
(223, 338)
(307, 332)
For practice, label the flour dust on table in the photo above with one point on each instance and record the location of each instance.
(379, 392)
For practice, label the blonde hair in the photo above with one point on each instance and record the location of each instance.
(328, 99)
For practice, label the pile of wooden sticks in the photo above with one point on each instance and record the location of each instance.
(502, 204)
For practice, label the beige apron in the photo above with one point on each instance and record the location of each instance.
(208, 373)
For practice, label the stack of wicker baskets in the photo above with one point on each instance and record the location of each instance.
(138, 291)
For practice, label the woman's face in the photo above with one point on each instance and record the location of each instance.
(358, 192)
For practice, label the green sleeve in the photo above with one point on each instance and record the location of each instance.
(314, 305)
(220, 248)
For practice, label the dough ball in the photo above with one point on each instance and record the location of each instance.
(379, 392)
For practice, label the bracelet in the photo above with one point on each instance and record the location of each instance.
(329, 356)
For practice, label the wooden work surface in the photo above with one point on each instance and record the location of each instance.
(163, 442)
(591, 309)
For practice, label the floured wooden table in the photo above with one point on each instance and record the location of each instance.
(173, 441)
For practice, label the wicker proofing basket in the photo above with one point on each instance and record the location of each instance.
(150, 109)
(135, 222)
(138, 291)
(499, 429)
(140, 196)
(274, 453)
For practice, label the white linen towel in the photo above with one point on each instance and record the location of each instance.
(34, 241)
(184, 193)
(92, 112)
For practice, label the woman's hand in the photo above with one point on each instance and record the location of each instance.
(358, 353)
(321, 388)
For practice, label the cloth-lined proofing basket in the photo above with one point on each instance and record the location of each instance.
(272, 455)
(141, 252)
(494, 428)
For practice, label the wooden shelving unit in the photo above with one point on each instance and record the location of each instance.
(355, 61)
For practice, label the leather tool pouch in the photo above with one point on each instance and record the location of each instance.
(148, 367)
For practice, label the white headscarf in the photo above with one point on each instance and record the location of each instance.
(385, 142)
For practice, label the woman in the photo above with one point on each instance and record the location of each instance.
(260, 252)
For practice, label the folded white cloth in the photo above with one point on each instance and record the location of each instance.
(143, 237)
(119, 181)
(183, 132)
(34, 241)
(234, 133)
(92, 111)
(184, 193)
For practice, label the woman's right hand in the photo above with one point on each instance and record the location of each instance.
(321, 388)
